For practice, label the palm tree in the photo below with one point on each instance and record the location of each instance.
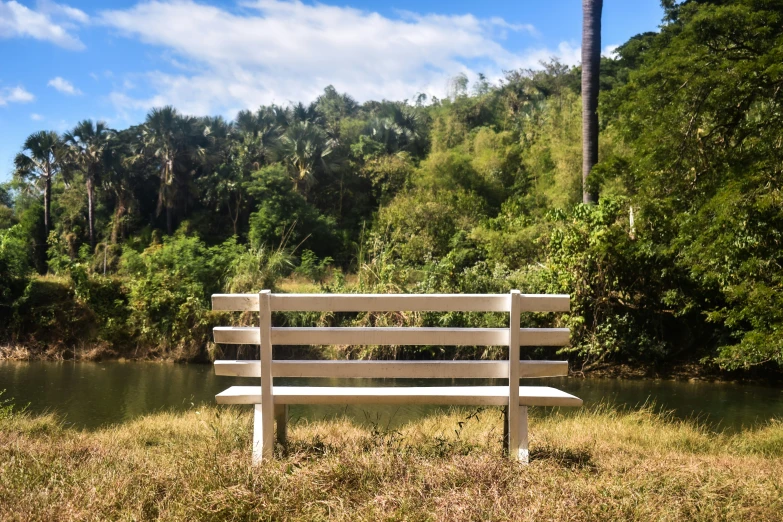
(303, 148)
(258, 133)
(87, 144)
(591, 62)
(399, 127)
(119, 177)
(170, 139)
(42, 157)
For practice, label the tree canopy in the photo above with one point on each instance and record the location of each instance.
(679, 260)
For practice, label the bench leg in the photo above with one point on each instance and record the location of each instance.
(261, 433)
(281, 419)
(521, 454)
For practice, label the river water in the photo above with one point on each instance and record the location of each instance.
(90, 395)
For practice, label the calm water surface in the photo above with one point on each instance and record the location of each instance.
(89, 395)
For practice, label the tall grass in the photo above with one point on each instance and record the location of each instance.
(597, 464)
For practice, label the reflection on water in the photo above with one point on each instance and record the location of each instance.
(94, 394)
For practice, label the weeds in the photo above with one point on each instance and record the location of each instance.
(597, 464)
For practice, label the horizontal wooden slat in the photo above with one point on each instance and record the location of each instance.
(545, 303)
(393, 336)
(235, 302)
(367, 336)
(544, 336)
(391, 302)
(393, 369)
(457, 395)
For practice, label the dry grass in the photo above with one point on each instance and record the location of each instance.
(595, 465)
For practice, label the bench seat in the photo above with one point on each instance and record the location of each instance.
(441, 395)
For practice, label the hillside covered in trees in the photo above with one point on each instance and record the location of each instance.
(114, 239)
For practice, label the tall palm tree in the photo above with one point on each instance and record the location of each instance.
(42, 157)
(303, 148)
(258, 133)
(119, 178)
(170, 139)
(87, 145)
(591, 62)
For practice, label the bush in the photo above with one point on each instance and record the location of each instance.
(170, 285)
(285, 217)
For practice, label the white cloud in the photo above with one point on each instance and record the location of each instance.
(16, 94)
(64, 86)
(36, 117)
(566, 53)
(60, 10)
(610, 51)
(279, 51)
(52, 22)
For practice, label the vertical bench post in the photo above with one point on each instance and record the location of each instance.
(263, 429)
(513, 412)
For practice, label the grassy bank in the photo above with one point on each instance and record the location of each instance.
(596, 465)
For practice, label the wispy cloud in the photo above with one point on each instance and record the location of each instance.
(16, 94)
(51, 22)
(610, 51)
(56, 10)
(64, 86)
(278, 51)
(36, 117)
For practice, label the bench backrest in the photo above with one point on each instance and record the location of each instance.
(513, 303)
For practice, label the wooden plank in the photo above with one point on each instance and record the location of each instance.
(394, 369)
(393, 336)
(456, 395)
(545, 303)
(544, 336)
(532, 369)
(512, 417)
(235, 302)
(367, 336)
(391, 302)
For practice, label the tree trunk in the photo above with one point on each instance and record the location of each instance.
(90, 216)
(591, 62)
(118, 213)
(169, 222)
(47, 204)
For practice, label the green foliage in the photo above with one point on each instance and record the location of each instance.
(259, 269)
(703, 116)
(313, 269)
(14, 266)
(169, 289)
(614, 285)
(420, 225)
(284, 215)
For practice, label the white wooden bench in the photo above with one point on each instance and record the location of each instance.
(271, 402)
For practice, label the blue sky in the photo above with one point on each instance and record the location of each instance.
(113, 60)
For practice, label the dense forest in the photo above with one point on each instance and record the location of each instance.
(112, 240)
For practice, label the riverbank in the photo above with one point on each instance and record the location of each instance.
(596, 465)
(59, 320)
